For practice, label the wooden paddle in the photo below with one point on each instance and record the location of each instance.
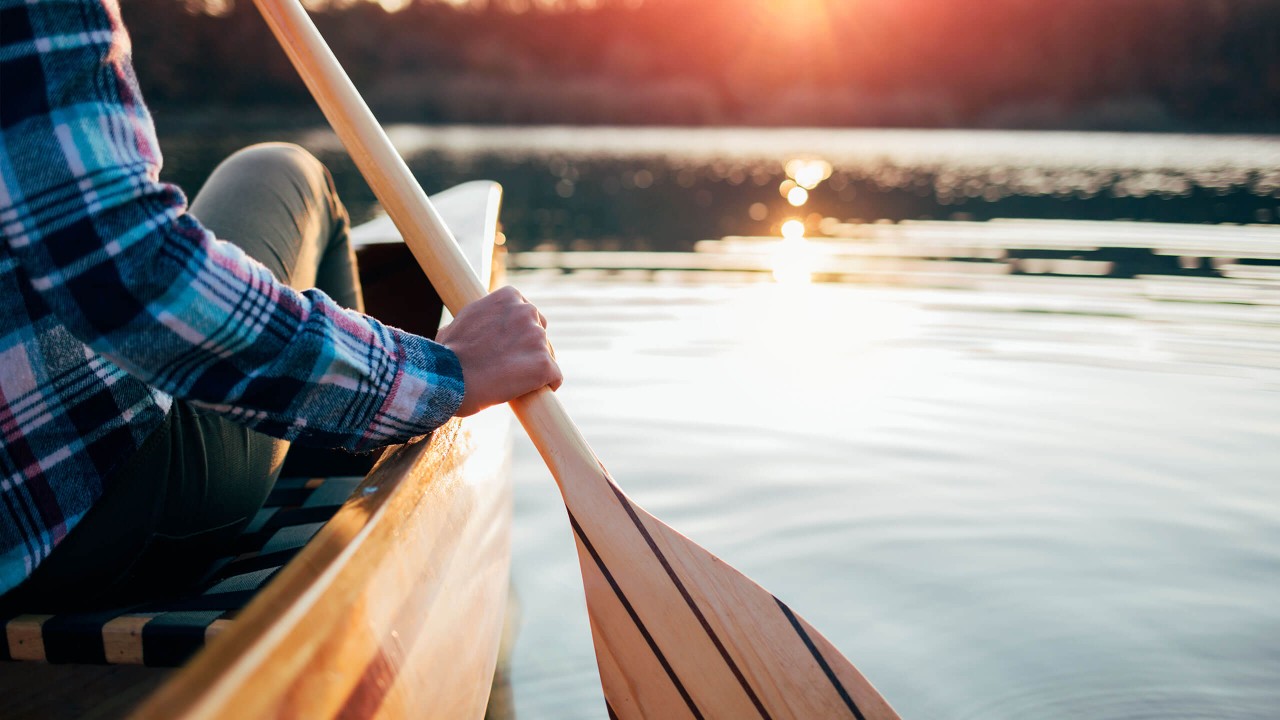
(678, 633)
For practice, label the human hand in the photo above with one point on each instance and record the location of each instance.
(501, 342)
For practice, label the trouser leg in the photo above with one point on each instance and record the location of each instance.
(172, 508)
(277, 202)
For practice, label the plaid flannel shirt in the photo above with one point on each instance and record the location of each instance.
(115, 300)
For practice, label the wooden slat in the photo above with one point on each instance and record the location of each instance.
(122, 639)
(23, 635)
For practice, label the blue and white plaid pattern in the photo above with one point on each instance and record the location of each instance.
(115, 300)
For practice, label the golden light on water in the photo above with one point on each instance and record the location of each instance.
(808, 173)
(803, 175)
(792, 258)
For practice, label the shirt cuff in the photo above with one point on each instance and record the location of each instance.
(426, 393)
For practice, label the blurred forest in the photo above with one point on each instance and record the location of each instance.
(1175, 65)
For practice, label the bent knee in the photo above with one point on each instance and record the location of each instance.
(289, 172)
(275, 157)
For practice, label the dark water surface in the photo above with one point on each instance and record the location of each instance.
(664, 189)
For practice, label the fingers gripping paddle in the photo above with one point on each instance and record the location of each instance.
(678, 633)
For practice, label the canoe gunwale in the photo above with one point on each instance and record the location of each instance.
(323, 637)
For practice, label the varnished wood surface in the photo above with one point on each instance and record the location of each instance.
(457, 207)
(679, 633)
(722, 646)
(391, 276)
(396, 608)
(452, 488)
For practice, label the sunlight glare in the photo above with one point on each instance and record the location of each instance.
(808, 174)
(793, 259)
(797, 196)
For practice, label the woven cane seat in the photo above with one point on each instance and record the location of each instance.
(166, 634)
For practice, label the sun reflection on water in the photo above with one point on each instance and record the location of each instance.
(797, 196)
(792, 259)
(808, 173)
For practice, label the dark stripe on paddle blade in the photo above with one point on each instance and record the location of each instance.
(697, 612)
(612, 715)
(626, 604)
(822, 662)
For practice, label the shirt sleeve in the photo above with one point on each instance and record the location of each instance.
(114, 255)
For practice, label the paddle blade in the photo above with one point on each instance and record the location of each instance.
(680, 634)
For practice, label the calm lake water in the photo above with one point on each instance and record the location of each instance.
(1030, 498)
(1037, 498)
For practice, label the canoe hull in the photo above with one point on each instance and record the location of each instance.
(396, 608)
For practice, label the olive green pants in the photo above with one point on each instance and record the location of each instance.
(198, 479)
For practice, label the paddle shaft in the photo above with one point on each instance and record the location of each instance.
(549, 426)
(678, 632)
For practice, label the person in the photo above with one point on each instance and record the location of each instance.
(157, 360)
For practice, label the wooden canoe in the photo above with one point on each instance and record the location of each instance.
(396, 607)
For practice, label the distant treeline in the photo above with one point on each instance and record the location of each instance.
(1205, 65)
